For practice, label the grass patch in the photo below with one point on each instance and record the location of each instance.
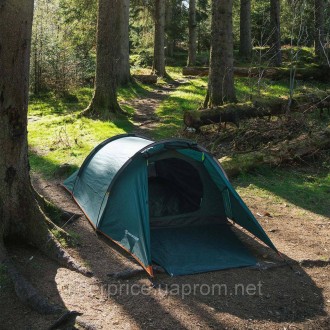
(69, 240)
(188, 96)
(305, 188)
(57, 135)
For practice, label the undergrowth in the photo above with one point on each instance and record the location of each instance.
(57, 135)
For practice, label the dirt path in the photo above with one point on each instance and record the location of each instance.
(145, 117)
(288, 299)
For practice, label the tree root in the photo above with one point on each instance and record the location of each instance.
(68, 316)
(64, 318)
(25, 290)
(103, 114)
(42, 238)
(36, 233)
(45, 241)
(48, 208)
(53, 249)
(47, 205)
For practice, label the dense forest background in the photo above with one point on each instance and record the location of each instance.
(63, 51)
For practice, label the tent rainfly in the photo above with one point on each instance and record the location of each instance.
(166, 202)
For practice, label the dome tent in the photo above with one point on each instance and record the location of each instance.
(165, 202)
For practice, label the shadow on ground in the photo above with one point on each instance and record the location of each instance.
(218, 300)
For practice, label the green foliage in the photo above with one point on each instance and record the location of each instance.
(142, 58)
(297, 28)
(203, 19)
(176, 27)
(57, 135)
(260, 22)
(64, 31)
(63, 41)
(141, 35)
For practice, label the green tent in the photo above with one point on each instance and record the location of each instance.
(166, 202)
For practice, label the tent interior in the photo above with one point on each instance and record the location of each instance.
(189, 228)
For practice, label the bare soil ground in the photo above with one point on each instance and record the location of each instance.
(296, 297)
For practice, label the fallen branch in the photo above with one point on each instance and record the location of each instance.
(234, 113)
(25, 291)
(316, 73)
(195, 71)
(308, 263)
(146, 78)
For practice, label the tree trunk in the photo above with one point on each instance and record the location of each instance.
(319, 36)
(104, 101)
(122, 65)
(16, 196)
(245, 45)
(168, 24)
(21, 217)
(221, 80)
(159, 39)
(192, 34)
(275, 11)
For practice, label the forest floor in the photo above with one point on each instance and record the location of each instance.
(291, 203)
(289, 298)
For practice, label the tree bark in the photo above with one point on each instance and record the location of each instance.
(15, 188)
(159, 39)
(221, 80)
(122, 65)
(192, 34)
(104, 101)
(275, 11)
(168, 24)
(21, 217)
(245, 45)
(319, 35)
(234, 113)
